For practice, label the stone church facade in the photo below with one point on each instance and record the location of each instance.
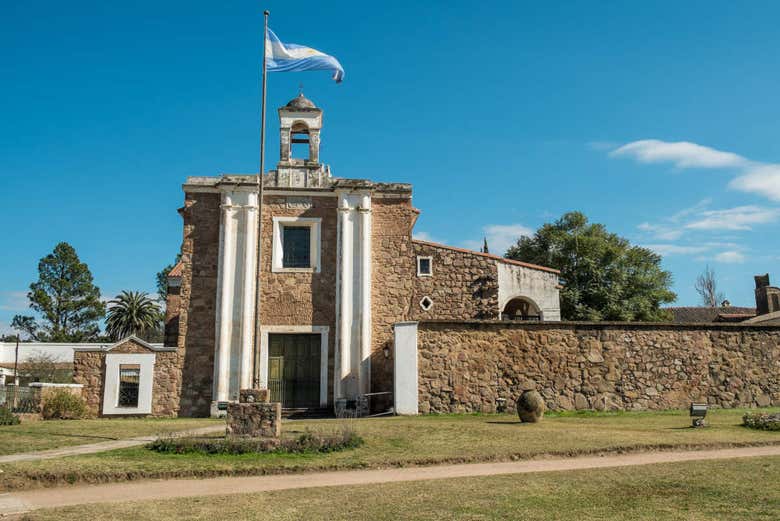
(338, 268)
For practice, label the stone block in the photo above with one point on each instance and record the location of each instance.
(254, 396)
(263, 420)
(530, 407)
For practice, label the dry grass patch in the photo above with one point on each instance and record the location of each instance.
(724, 490)
(52, 434)
(409, 441)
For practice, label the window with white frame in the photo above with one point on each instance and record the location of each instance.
(296, 244)
(424, 266)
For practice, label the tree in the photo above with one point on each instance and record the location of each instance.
(707, 288)
(605, 277)
(132, 313)
(65, 297)
(162, 278)
(25, 325)
(40, 367)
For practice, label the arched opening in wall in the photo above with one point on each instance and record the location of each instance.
(521, 308)
(299, 141)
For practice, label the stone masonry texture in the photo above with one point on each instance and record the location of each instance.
(466, 366)
(254, 419)
(89, 368)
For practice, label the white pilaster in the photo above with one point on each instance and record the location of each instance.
(250, 213)
(224, 305)
(236, 293)
(353, 345)
(345, 300)
(365, 293)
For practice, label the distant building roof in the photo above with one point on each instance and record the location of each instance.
(177, 270)
(706, 314)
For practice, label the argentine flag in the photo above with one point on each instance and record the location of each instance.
(285, 57)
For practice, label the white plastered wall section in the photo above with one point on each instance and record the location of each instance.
(541, 287)
(236, 293)
(353, 307)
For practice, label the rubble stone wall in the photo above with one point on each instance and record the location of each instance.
(466, 366)
(197, 308)
(89, 369)
(463, 286)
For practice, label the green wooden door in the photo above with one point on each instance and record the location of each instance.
(294, 369)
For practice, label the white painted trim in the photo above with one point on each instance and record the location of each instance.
(111, 391)
(323, 331)
(364, 212)
(272, 190)
(277, 255)
(430, 264)
(423, 306)
(405, 370)
(60, 386)
(109, 347)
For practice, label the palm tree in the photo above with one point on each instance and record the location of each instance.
(132, 313)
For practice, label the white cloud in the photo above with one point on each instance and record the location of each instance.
(683, 154)
(664, 233)
(761, 179)
(499, 237)
(424, 236)
(755, 177)
(676, 249)
(5, 329)
(738, 218)
(13, 301)
(730, 257)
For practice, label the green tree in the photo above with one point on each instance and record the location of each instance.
(605, 277)
(162, 278)
(66, 299)
(133, 313)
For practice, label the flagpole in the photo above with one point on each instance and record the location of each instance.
(260, 203)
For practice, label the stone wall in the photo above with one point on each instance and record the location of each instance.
(200, 258)
(89, 369)
(464, 284)
(466, 366)
(392, 279)
(301, 298)
(172, 309)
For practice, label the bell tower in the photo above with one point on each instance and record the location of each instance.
(300, 122)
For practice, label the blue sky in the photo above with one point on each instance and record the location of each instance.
(658, 119)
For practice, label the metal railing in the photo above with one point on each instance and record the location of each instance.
(20, 400)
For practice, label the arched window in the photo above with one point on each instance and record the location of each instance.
(521, 308)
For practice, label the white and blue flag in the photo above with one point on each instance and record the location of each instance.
(290, 57)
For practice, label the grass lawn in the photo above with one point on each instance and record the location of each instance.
(408, 441)
(52, 434)
(728, 489)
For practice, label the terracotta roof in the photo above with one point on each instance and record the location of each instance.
(488, 255)
(177, 270)
(706, 314)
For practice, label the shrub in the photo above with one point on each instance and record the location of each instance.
(7, 417)
(61, 404)
(763, 421)
(307, 443)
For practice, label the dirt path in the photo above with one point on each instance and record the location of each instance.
(19, 502)
(92, 448)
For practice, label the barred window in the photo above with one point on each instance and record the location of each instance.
(129, 382)
(296, 247)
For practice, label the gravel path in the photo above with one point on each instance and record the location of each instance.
(19, 502)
